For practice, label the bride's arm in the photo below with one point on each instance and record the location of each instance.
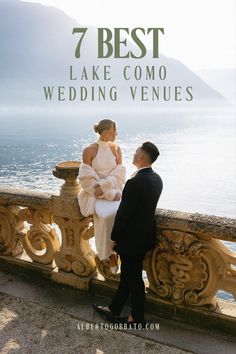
(112, 185)
(89, 154)
(118, 156)
(117, 152)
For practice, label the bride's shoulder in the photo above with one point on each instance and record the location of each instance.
(114, 145)
(116, 151)
(90, 148)
(89, 153)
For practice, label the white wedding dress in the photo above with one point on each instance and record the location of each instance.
(111, 177)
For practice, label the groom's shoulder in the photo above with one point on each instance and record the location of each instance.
(150, 176)
(132, 182)
(156, 175)
(157, 180)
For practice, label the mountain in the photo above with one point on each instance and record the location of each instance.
(222, 80)
(37, 49)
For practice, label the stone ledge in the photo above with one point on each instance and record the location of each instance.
(209, 226)
(24, 197)
(197, 316)
(200, 224)
(23, 267)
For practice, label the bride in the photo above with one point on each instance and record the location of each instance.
(102, 177)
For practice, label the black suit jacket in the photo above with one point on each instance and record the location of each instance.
(134, 229)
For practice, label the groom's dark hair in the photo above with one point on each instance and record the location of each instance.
(151, 150)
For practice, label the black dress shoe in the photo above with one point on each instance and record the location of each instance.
(106, 315)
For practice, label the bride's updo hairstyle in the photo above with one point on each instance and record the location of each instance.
(104, 124)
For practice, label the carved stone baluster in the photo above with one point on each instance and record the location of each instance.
(188, 270)
(104, 268)
(40, 240)
(75, 254)
(10, 227)
(226, 259)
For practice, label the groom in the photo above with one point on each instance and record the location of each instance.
(134, 233)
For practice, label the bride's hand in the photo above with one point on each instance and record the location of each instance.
(117, 197)
(98, 191)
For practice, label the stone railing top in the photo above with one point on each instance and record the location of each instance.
(207, 226)
(201, 224)
(24, 197)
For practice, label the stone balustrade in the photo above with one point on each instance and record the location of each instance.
(189, 264)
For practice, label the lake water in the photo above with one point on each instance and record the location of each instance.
(197, 161)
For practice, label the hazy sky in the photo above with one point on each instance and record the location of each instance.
(200, 33)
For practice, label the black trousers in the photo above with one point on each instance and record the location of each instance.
(131, 283)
